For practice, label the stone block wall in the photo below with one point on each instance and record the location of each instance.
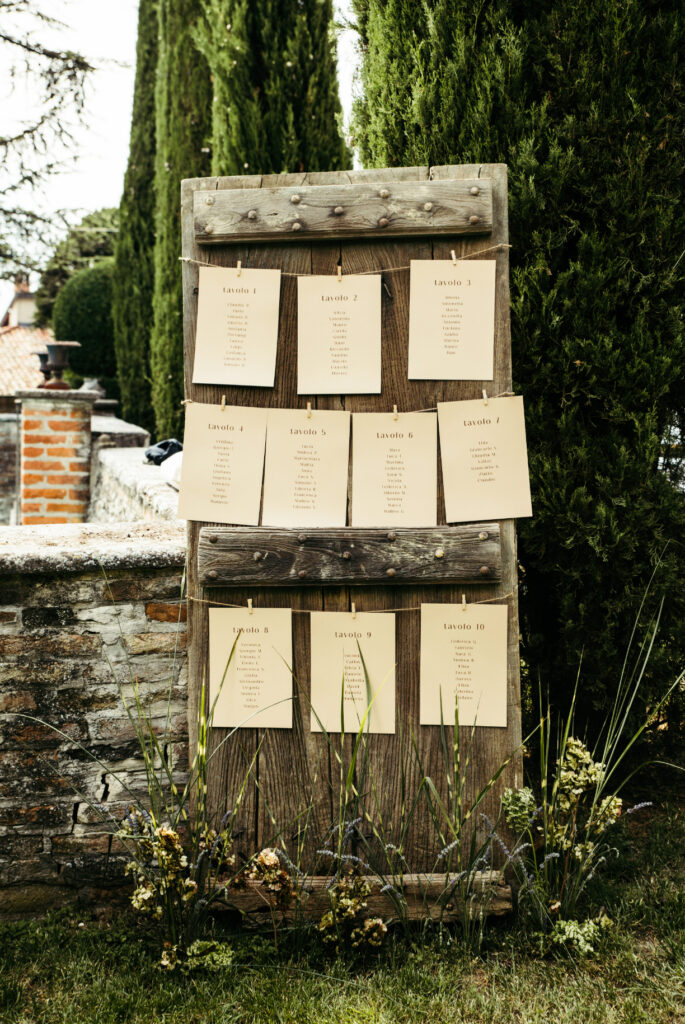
(83, 611)
(127, 488)
(9, 433)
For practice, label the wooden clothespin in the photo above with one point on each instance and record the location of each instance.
(395, 414)
(454, 258)
(240, 268)
(463, 602)
(223, 403)
(249, 605)
(354, 610)
(309, 410)
(339, 273)
(485, 397)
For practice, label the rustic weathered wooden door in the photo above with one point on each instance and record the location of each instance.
(373, 220)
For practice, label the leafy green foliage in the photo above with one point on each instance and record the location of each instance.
(584, 102)
(83, 313)
(134, 278)
(34, 138)
(183, 100)
(91, 240)
(276, 106)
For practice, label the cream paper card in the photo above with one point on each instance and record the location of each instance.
(452, 320)
(305, 476)
(257, 690)
(237, 326)
(335, 657)
(464, 652)
(484, 459)
(394, 469)
(223, 460)
(339, 335)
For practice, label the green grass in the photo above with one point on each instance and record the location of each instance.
(59, 972)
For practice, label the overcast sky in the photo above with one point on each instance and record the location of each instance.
(104, 31)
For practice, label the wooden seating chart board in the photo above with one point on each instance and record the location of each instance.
(366, 220)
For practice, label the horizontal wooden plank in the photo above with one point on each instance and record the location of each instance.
(265, 557)
(417, 897)
(369, 209)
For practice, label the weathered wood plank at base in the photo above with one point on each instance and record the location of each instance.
(344, 211)
(434, 896)
(267, 557)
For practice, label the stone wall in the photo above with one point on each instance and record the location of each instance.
(83, 610)
(126, 488)
(9, 434)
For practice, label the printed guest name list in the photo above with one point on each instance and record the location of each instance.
(339, 335)
(223, 460)
(305, 474)
(237, 326)
(463, 658)
(484, 459)
(394, 469)
(251, 682)
(452, 320)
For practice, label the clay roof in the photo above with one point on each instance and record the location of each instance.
(18, 367)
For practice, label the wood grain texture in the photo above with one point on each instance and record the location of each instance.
(267, 557)
(342, 210)
(292, 766)
(434, 896)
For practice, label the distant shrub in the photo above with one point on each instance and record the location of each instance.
(83, 313)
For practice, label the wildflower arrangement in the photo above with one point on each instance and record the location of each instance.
(175, 883)
(563, 841)
(345, 924)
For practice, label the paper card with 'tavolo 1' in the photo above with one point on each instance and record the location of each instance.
(237, 326)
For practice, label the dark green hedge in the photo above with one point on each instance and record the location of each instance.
(584, 102)
(276, 106)
(134, 278)
(83, 313)
(183, 100)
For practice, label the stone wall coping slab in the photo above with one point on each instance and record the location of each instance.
(88, 547)
(46, 394)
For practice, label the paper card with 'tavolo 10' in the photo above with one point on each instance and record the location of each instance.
(463, 656)
(484, 459)
(339, 335)
(452, 320)
(306, 468)
(337, 638)
(221, 472)
(256, 692)
(394, 469)
(237, 326)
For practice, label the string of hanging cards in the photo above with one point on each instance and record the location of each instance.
(383, 270)
(463, 655)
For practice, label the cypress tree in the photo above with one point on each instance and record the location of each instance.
(133, 278)
(182, 117)
(276, 105)
(584, 103)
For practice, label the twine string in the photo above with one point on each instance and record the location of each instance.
(360, 273)
(376, 611)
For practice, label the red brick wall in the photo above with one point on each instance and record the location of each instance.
(55, 456)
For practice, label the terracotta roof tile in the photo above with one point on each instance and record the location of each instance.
(18, 367)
